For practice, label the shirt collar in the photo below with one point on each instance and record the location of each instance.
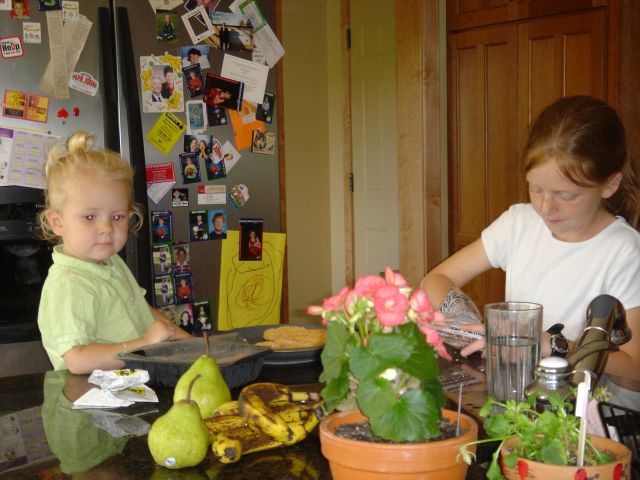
(104, 270)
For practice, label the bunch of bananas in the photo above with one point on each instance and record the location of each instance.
(265, 416)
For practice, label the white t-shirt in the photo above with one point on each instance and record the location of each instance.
(563, 277)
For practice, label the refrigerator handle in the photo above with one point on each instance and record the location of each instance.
(139, 259)
(109, 82)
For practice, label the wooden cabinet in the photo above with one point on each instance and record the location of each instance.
(500, 76)
(462, 14)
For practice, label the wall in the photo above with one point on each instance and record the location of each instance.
(309, 86)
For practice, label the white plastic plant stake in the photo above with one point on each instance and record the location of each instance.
(582, 399)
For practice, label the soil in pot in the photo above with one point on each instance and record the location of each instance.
(361, 431)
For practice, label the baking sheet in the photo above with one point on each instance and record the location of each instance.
(280, 357)
(239, 362)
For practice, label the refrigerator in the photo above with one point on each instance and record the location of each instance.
(120, 35)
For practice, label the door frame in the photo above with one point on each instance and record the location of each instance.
(420, 133)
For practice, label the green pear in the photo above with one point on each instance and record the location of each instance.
(180, 438)
(209, 392)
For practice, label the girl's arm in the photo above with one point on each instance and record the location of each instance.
(456, 271)
(84, 359)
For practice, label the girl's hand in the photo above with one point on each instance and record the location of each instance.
(159, 331)
(478, 344)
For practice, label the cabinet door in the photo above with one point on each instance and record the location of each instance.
(483, 160)
(557, 57)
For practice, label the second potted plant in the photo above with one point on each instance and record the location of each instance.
(544, 444)
(380, 370)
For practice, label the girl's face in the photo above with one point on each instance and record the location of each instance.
(203, 145)
(572, 213)
(94, 220)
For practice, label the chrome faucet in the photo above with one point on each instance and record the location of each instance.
(606, 329)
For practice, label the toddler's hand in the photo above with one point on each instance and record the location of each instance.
(478, 344)
(159, 331)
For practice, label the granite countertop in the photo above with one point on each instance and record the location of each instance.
(44, 438)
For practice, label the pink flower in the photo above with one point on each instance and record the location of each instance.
(394, 278)
(367, 286)
(335, 302)
(391, 305)
(314, 310)
(419, 302)
(434, 339)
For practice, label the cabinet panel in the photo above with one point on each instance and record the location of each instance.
(482, 140)
(463, 14)
(472, 13)
(557, 57)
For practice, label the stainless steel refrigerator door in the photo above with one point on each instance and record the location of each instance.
(24, 73)
(259, 172)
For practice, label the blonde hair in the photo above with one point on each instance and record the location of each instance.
(66, 161)
(586, 138)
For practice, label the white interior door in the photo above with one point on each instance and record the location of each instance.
(373, 107)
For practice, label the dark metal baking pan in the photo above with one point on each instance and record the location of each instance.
(239, 362)
(280, 357)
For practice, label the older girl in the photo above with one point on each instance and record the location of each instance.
(576, 239)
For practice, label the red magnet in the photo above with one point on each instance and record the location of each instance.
(62, 113)
(76, 111)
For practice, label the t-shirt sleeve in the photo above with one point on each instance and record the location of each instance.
(67, 316)
(622, 278)
(496, 239)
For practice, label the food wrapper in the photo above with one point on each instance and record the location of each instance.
(118, 388)
(119, 379)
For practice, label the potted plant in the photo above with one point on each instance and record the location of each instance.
(380, 372)
(544, 444)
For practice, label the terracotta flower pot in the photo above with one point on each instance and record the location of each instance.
(359, 460)
(617, 470)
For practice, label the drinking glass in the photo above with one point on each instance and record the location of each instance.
(513, 332)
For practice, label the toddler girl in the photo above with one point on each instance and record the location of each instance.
(91, 307)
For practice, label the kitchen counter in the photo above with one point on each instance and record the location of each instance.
(50, 440)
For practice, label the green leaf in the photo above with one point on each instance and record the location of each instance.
(413, 417)
(511, 459)
(335, 391)
(553, 453)
(363, 364)
(494, 472)
(422, 361)
(333, 354)
(375, 397)
(548, 423)
(497, 426)
(486, 408)
(391, 348)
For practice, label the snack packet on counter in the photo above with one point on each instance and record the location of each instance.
(118, 388)
(119, 379)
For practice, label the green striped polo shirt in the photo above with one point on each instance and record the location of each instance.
(84, 302)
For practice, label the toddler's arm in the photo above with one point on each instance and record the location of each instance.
(84, 359)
